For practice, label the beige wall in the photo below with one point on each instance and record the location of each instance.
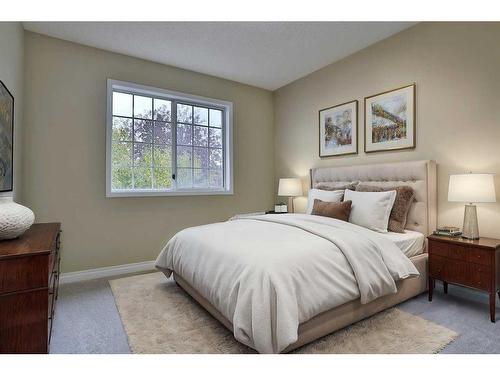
(456, 69)
(11, 74)
(64, 154)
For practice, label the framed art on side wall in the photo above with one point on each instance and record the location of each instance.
(390, 122)
(338, 129)
(6, 138)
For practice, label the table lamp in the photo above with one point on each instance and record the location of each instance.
(471, 188)
(290, 187)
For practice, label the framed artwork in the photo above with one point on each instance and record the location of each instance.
(338, 130)
(390, 120)
(6, 138)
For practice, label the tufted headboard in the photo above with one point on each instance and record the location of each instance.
(420, 175)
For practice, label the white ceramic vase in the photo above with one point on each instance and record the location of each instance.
(14, 218)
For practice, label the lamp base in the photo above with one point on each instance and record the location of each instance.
(290, 205)
(470, 227)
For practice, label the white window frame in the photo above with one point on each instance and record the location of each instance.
(134, 88)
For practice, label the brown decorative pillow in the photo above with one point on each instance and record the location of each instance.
(331, 186)
(402, 204)
(336, 210)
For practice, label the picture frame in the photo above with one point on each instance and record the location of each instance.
(338, 129)
(6, 139)
(390, 120)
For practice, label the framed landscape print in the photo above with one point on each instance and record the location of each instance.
(6, 138)
(390, 120)
(338, 130)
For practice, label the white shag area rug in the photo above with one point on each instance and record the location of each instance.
(160, 318)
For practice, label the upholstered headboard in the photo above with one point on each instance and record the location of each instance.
(420, 175)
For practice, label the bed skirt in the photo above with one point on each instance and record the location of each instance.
(338, 317)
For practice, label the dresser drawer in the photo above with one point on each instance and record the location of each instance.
(55, 270)
(23, 322)
(51, 296)
(51, 307)
(54, 255)
(23, 273)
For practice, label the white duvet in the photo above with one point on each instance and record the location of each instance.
(267, 274)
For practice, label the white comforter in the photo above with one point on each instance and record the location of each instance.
(267, 274)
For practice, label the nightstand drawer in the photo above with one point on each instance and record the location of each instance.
(481, 277)
(437, 266)
(438, 248)
(456, 271)
(479, 256)
(458, 252)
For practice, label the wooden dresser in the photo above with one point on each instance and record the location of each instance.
(471, 263)
(29, 280)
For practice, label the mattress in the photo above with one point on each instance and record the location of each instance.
(411, 243)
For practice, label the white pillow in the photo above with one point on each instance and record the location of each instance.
(371, 209)
(323, 195)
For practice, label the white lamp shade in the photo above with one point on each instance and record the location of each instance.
(471, 188)
(290, 187)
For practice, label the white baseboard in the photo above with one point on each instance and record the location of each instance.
(97, 273)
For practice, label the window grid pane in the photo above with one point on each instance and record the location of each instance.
(122, 129)
(143, 131)
(162, 132)
(162, 110)
(122, 104)
(142, 137)
(122, 154)
(184, 134)
(143, 107)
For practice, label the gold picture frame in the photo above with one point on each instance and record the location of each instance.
(338, 130)
(390, 120)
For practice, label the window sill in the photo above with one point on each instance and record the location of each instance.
(155, 193)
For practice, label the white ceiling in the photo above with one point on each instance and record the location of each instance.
(263, 54)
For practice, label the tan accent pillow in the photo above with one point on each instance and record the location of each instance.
(330, 186)
(335, 210)
(402, 205)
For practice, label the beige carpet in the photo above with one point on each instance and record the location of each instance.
(159, 317)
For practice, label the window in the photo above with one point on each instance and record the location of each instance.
(162, 142)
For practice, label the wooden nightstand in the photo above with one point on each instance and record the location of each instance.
(471, 263)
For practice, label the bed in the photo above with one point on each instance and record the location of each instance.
(309, 275)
